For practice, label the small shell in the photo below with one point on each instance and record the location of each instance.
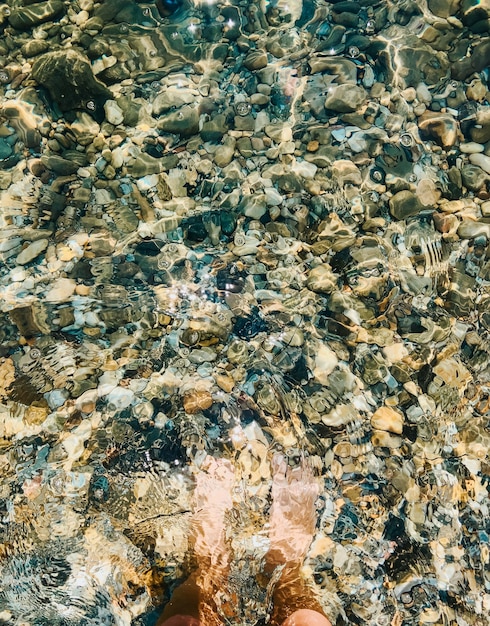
(197, 401)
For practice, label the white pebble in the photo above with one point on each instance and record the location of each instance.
(471, 147)
(481, 160)
(119, 398)
(61, 290)
(305, 169)
(81, 18)
(113, 113)
(147, 182)
(56, 398)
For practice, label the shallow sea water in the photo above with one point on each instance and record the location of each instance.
(245, 311)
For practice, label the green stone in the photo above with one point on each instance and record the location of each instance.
(26, 17)
(67, 75)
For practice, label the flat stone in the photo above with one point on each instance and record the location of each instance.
(254, 205)
(325, 362)
(5, 149)
(279, 132)
(259, 99)
(469, 229)
(481, 130)
(214, 129)
(30, 252)
(473, 12)
(172, 97)
(485, 209)
(59, 165)
(246, 123)
(346, 172)
(445, 223)
(21, 117)
(321, 279)
(273, 197)
(224, 154)
(26, 17)
(34, 47)
(85, 129)
(184, 122)
(473, 177)
(345, 98)
(471, 147)
(482, 161)
(478, 60)
(113, 113)
(255, 60)
(143, 165)
(453, 373)
(427, 192)
(344, 71)
(443, 8)
(244, 147)
(405, 204)
(387, 419)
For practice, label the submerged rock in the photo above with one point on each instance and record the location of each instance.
(68, 77)
(25, 17)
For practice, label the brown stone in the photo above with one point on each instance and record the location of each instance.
(441, 127)
(197, 401)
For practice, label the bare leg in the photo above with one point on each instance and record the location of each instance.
(212, 499)
(303, 617)
(306, 617)
(180, 620)
(292, 526)
(198, 595)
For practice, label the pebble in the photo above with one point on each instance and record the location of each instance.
(173, 97)
(113, 113)
(224, 154)
(184, 122)
(405, 204)
(31, 251)
(469, 229)
(26, 17)
(471, 148)
(473, 177)
(119, 398)
(255, 60)
(387, 419)
(59, 165)
(481, 160)
(440, 127)
(5, 149)
(279, 132)
(61, 290)
(345, 98)
(214, 129)
(68, 77)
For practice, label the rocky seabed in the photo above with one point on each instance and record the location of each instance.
(230, 229)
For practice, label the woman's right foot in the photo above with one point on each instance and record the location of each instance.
(293, 512)
(212, 501)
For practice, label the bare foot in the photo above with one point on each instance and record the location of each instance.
(293, 512)
(199, 596)
(292, 526)
(212, 500)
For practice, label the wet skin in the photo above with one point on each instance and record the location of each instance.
(292, 524)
